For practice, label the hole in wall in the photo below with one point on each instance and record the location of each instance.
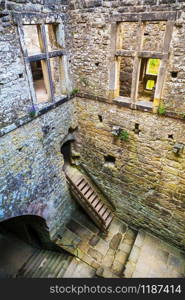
(136, 128)
(100, 118)
(170, 136)
(97, 63)
(71, 130)
(20, 149)
(148, 78)
(21, 75)
(42, 93)
(174, 74)
(34, 236)
(109, 160)
(66, 151)
(146, 33)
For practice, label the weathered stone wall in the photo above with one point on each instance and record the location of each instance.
(32, 180)
(31, 177)
(15, 94)
(90, 29)
(147, 182)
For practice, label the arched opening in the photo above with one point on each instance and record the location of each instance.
(66, 152)
(34, 236)
(20, 238)
(30, 229)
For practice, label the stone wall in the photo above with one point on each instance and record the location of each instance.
(15, 95)
(90, 29)
(32, 180)
(146, 184)
(31, 177)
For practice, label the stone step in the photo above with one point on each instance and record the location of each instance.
(78, 244)
(81, 217)
(120, 246)
(45, 264)
(105, 273)
(134, 254)
(68, 241)
(79, 229)
(153, 258)
(79, 269)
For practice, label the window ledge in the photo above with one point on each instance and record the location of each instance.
(139, 105)
(144, 105)
(123, 101)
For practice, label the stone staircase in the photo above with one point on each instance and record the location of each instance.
(45, 264)
(85, 192)
(105, 252)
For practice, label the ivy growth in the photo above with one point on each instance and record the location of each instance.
(74, 92)
(161, 109)
(121, 134)
(32, 112)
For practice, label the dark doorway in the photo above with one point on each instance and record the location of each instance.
(66, 151)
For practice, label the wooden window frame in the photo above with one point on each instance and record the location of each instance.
(137, 55)
(43, 57)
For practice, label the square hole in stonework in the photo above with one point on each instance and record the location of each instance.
(109, 161)
(170, 136)
(100, 118)
(174, 74)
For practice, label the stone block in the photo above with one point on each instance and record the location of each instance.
(95, 255)
(134, 255)
(117, 267)
(94, 240)
(108, 258)
(102, 246)
(121, 257)
(140, 239)
(125, 247)
(130, 268)
(114, 243)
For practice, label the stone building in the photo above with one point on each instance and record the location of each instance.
(97, 86)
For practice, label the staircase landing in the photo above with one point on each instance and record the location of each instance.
(121, 252)
(153, 258)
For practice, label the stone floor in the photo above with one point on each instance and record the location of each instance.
(121, 252)
(152, 258)
(106, 253)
